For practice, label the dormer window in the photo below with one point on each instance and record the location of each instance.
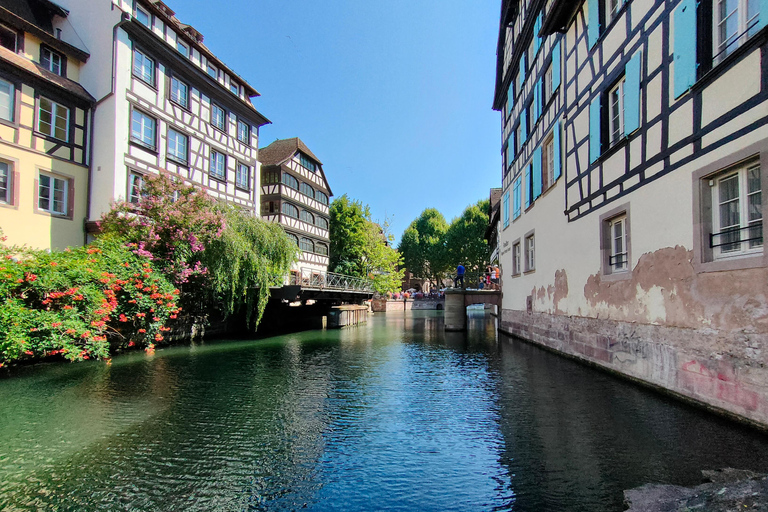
(52, 61)
(307, 163)
(9, 38)
(143, 16)
(234, 88)
(211, 69)
(183, 48)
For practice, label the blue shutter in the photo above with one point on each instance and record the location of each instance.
(632, 74)
(536, 39)
(536, 102)
(685, 46)
(510, 150)
(763, 19)
(516, 198)
(522, 71)
(537, 172)
(523, 126)
(594, 130)
(556, 146)
(556, 65)
(510, 96)
(593, 24)
(506, 209)
(527, 186)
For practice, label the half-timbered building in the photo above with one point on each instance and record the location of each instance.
(166, 104)
(45, 125)
(295, 193)
(635, 240)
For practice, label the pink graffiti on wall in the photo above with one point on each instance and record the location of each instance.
(721, 384)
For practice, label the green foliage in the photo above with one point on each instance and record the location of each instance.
(423, 246)
(360, 247)
(465, 238)
(77, 303)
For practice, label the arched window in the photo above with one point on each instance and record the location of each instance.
(290, 181)
(307, 245)
(321, 222)
(321, 249)
(321, 197)
(293, 237)
(307, 190)
(307, 217)
(290, 210)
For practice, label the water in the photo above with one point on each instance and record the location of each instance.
(395, 415)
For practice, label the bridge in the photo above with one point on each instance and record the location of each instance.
(311, 284)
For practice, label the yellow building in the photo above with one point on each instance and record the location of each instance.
(45, 119)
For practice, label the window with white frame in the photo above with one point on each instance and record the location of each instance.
(234, 88)
(182, 48)
(178, 145)
(218, 117)
(548, 162)
(179, 92)
(612, 8)
(7, 100)
(135, 187)
(737, 211)
(243, 176)
(212, 71)
(143, 67)
(547, 87)
(6, 192)
(9, 38)
(734, 22)
(243, 132)
(530, 253)
(52, 61)
(53, 119)
(52, 194)
(218, 165)
(143, 129)
(616, 112)
(516, 255)
(618, 256)
(143, 16)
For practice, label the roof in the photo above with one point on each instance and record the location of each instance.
(560, 16)
(281, 150)
(40, 72)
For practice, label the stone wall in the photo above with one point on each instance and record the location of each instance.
(384, 305)
(723, 371)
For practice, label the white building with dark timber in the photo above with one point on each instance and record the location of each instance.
(165, 104)
(635, 148)
(295, 193)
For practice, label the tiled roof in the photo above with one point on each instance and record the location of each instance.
(281, 150)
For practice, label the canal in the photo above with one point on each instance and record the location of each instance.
(393, 415)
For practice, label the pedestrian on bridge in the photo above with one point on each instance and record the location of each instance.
(459, 277)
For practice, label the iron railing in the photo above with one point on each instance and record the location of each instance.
(731, 238)
(312, 278)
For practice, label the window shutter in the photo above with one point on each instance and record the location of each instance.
(527, 186)
(536, 102)
(506, 209)
(523, 126)
(594, 130)
(510, 96)
(685, 46)
(593, 24)
(632, 73)
(516, 198)
(510, 150)
(522, 72)
(556, 65)
(763, 16)
(556, 146)
(536, 39)
(537, 172)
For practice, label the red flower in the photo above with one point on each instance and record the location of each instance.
(123, 318)
(142, 331)
(56, 324)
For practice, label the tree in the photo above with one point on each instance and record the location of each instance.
(423, 246)
(465, 238)
(360, 247)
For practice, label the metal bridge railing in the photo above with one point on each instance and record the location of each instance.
(312, 278)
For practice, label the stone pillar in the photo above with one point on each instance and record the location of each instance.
(455, 311)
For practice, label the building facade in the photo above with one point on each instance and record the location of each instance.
(45, 127)
(295, 193)
(632, 226)
(165, 104)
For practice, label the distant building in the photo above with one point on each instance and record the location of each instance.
(492, 233)
(45, 127)
(635, 148)
(166, 104)
(295, 193)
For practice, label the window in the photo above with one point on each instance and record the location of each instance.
(179, 92)
(52, 194)
(737, 211)
(307, 245)
(293, 237)
(143, 129)
(612, 8)
(212, 71)
(269, 207)
(307, 217)
(7, 100)
(615, 246)
(290, 182)
(183, 48)
(243, 132)
(218, 165)
(9, 38)
(321, 197)
(218, 116)
(616, 112)
(307, 163)
(270, 178)
(143, 68)
(234, 88)
(617, 231)
(53, 119)
(548, 162)
(516, 258)
(135, 187)
(307, 190)
(321, 249)
(547, 86)
(243, 176)
(530, 253)
(290, 210)
(321, 222)
(6, 195)
(177, 146)
(143, 16)
(52, 61)
(734, 22)
(505, 208)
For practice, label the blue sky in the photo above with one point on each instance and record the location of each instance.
(393, 97)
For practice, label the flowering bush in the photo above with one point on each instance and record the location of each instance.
(78, 302)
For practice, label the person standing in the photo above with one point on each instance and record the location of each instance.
(459, 277)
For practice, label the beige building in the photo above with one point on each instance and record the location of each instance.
(635, 149)
(45, 127)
